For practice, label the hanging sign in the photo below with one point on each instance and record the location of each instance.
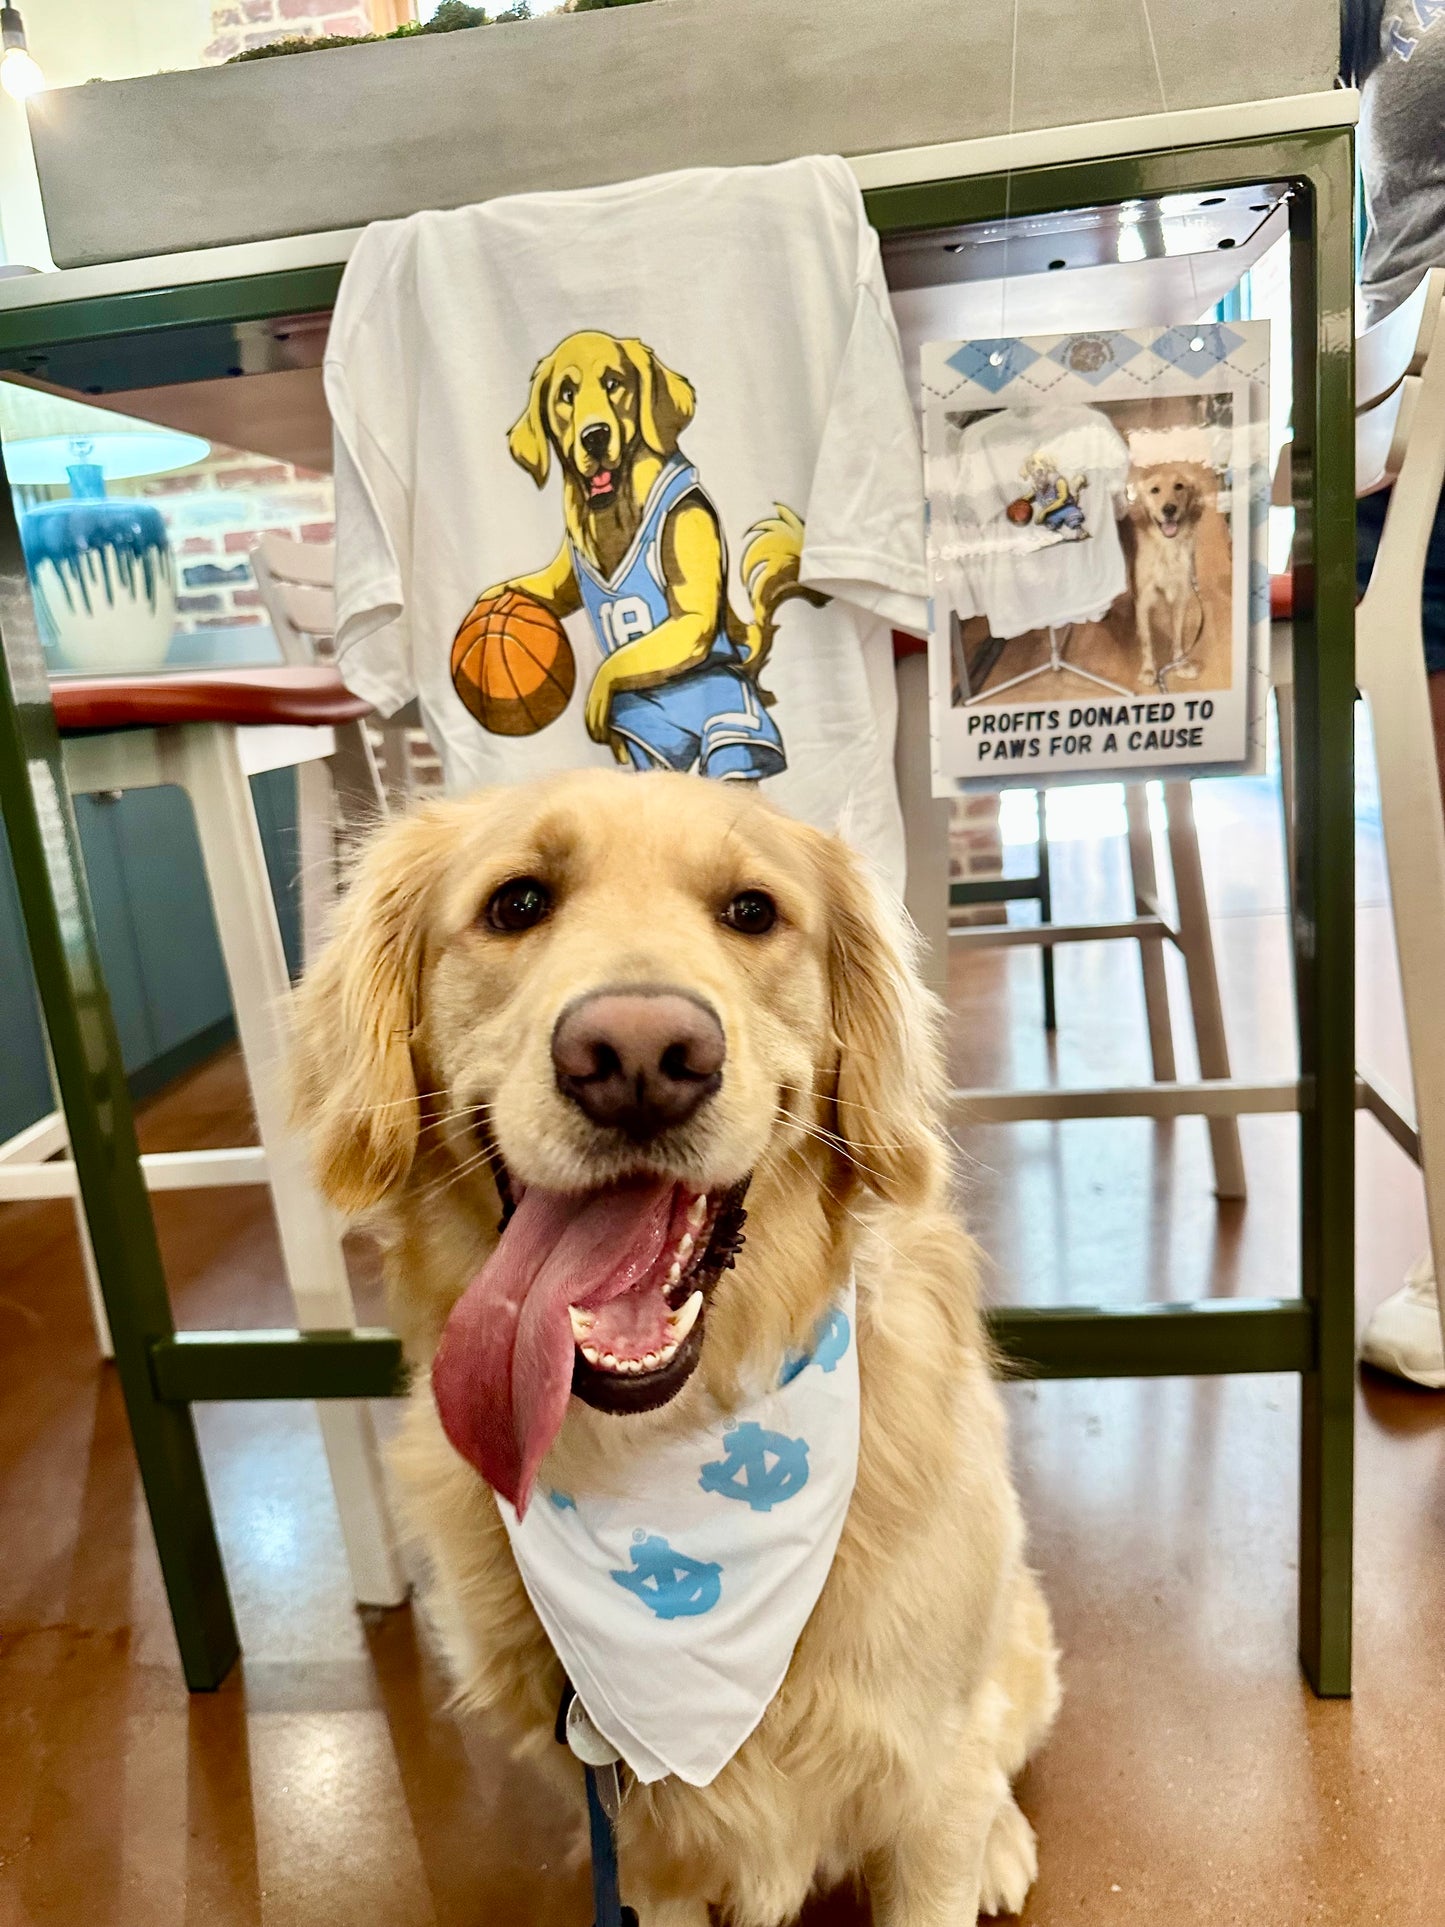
(1098, 553)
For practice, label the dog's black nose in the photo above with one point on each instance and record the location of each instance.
(595, 440)
(638, 1061)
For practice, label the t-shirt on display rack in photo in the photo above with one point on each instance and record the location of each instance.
(1026, 535)
(631, 476)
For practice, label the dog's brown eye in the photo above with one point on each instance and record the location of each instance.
(519, 905)
(751, 912)
(567, 392)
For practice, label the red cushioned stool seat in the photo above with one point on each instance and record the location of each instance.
(315, 696)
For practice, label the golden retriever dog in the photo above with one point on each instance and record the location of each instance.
(622, 995)
(1161, 535)
(612, 412)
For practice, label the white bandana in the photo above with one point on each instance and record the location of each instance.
(675, 1610)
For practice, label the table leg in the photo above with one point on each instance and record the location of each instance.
(90, 1076)
(1322, 268)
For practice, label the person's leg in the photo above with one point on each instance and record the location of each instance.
(1403, 1335)
(1437, 719)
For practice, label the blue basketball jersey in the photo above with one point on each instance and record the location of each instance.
(634, 601)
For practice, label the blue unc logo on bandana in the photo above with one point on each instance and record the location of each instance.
(669, 1583)
(830, 1343)
(760, 1468)
(675, 1607)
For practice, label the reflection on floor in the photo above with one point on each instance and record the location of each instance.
(1192, 1780)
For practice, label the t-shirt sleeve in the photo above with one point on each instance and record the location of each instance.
(864, 539)
(373, 496)
(373, 650)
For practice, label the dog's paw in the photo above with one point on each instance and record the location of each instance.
(1148, 677)
(1010, 1862)
(1187, 671)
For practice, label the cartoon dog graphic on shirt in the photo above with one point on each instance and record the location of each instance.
(1055, 501)
(643, 551)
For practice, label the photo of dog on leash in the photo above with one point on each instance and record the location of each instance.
(1167, 502)
(634, 1080)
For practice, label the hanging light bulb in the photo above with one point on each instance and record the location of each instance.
(20, 73)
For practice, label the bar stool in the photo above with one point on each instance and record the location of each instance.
(1399, 441)
(209, 733)
(928, 896)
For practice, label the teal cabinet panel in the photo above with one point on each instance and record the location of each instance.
(168, 909)
(99, 820)
(157, 935)
(24, 1080)
(275, 798)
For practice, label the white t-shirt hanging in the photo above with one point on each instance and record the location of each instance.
(656, 412)
(1041, 489)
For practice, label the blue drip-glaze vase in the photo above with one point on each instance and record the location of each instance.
(103, 577)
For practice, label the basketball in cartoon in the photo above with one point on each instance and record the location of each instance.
(512, 664)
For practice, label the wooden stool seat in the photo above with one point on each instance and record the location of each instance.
(286, 694)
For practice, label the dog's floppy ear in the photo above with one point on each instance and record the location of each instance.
(889, 1082)
(528, 441)
(665, 400)
(353, 1087)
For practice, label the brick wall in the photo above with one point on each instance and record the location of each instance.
(217, 512)
(239, 24)
(975, 851)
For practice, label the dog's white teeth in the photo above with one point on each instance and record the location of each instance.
(650, 1362)
(629, 1364)
(582, 1322)
(675, 1274)
(591, 1354)
(685, 1246)
(667, 1354)
(681, 1322)
(697, 1214)
(609, 1359)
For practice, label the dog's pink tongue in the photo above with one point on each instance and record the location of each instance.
(503, 1371)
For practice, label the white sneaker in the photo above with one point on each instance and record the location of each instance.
(1403, 1336)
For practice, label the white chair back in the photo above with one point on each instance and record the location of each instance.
(296, 581)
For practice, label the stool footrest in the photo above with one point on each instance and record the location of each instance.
(194, 1367)
(1175, 1340)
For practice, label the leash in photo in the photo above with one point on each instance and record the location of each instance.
(601, 1764)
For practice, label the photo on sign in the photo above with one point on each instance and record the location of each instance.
(1092, 553)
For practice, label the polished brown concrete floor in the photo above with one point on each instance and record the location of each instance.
(1192, 1780)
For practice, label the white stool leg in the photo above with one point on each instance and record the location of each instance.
(925, 823)
(210, 770)
(1392, 673)
(339, 797)
(1196, 940)
(316, 853)
(361, 795)
(396, 758)
(98, 1315)
(1151, 949)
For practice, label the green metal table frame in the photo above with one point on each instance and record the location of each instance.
(196, 330)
